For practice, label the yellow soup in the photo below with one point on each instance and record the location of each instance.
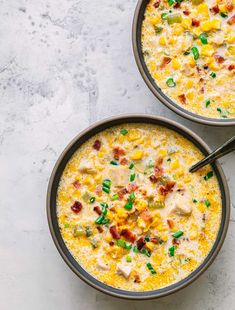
(130, 212)
(189, 49)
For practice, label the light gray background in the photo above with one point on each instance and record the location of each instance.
(63, 65)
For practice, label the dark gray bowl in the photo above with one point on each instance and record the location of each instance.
(137, 48)
(52, 193)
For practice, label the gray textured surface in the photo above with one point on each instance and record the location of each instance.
(63, 65)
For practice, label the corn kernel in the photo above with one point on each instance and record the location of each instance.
(203, 9)
(162, 40)
(150, 245)
(191, 61)
(189, 84)
(207, 50)
(175, 64)
(162, 153)
(137, 155)
(216, 24)
(186, 23)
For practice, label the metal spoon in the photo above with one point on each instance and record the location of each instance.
(224, 149)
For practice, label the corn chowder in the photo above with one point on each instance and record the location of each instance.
(130, 212)
(189, 50)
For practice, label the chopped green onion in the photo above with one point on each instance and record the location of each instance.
(208, 102)
(105, 221)
(170, 2)
(208, 175)
(195, 52)
(99, 220)
(178, 234)
(224, 15)
(172, 251)
(115, 197)
(129, 205)
(106, 189)
(145, 252)
(135, 249)
(121, 243)
(124, 132)
(203, 37)
(170, 82)
(194, 200)
(186, 53)
(158, 29)
(104, 208)
(114, 163)
(213, 75)
(207, 203)
(128, 247)
(66, 225)
(107, 183)
(164, 15)
(92, 199)
(169, 160)
(151, 269)
(131, 166)
(132, 177)
(128, 259)
(220, 111)
(88, 231)
(132, 196)
(147, 238)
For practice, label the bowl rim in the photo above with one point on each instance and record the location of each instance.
(51, 205)
(137, 50)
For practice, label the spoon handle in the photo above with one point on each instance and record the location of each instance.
(224, 149)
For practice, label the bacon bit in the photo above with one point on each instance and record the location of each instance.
(111, 243)
(146, 216)
(202, 90)
(201, 80)
(77, 184)
(97, 145)
(158, 172)
(97, 210)
(100, 229)
(113, 231)
(131, 187)
(195, 22)
(203, 217)
(137, 278)
(98, 190)
(153, 179)
(231, 67)
(205, 67)
(155, 240)
(231, 20)
(164, 190)
(166, 60)
(117, 152)
(175, 241)
(156, 4)
(140, 243)
(176, 5)
(215, 9)
(186, 12)
(159, 161)
(170, 223)
(124, 161)
(122, 192)
(219, 59)
(182, 98)
(229, 7)
(128, 235)
(76, 207)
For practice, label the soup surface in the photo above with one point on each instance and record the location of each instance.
(130, 212)
(189, 50)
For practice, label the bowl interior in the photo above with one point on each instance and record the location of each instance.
(52, 215)
(137, 48)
